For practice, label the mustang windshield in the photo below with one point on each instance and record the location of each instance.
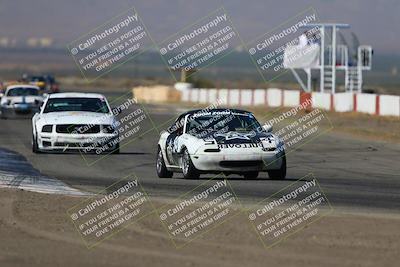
(76, 104)
(206, 125)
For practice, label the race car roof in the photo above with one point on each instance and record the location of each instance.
(83, 95)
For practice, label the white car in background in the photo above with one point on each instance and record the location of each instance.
(230, 141)
(75, 121)
(19, 100)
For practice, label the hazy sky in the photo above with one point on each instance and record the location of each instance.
(376, 22)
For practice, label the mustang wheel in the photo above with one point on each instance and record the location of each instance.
(35, 148)
(162, 171)
(281, 173)
(250, 175)
(188, 169)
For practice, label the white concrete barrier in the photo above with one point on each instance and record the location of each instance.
(274, 97)
(385, 105)
(291, 98)
(321, 100)
(366, 103)
(343, 102)
(186, 95)
(246, 97)
(223, 96)
(194, 95)
(259, 97)
(212, 95)
(203, 94)
(389, 105)
(234, 97)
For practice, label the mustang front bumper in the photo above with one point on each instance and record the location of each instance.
(85, 143)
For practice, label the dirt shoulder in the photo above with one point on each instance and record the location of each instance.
(35, 231)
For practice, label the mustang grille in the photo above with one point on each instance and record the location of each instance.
(61, 144)
(77, 128)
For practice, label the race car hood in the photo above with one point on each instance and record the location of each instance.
(76, 117)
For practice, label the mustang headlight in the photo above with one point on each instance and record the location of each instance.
(48, 128)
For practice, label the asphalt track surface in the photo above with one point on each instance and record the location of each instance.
(354, 174)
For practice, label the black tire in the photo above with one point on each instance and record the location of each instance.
(161, 169)
(188, 169)
(281, 173)
(116, 149)
(250, 175)
(35, 148)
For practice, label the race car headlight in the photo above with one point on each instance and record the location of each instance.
(47, 128)
(107, 129)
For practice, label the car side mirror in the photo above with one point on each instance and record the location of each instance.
(267, 128)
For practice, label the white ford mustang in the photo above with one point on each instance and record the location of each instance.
(220, 140)
(20, 100)
(75, 121)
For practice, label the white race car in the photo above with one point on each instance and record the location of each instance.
(75, 121)
(220, 140)
(20, 100)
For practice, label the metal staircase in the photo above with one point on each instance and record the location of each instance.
(328, 78)
(332, 59)
(353, 79)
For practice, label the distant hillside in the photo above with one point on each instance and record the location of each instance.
(374, 21)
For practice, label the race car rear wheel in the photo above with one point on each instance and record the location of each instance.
(162, 170)
(279, 174)
(250, 175)
(188, 169)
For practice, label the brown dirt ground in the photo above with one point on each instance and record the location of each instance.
(35, 231)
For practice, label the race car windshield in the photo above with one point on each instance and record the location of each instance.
(20, 91)
(76, 104)
(206, 125)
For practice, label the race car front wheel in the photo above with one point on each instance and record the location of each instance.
(116, 149)
(188, 169)
(279, 174)
(162, 171)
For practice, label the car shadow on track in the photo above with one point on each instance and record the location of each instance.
(238, 178)
(91, 154)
